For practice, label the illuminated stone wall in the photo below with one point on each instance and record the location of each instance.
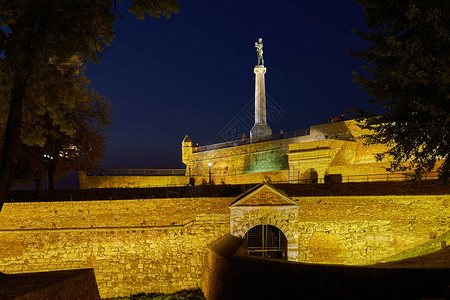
(133, 245)
(263, 156)
(333, 148)
(269, 177)
(246, 159)
(365, 229)
(329, 149)
(90, 182)
(158, 245)
(340, 151)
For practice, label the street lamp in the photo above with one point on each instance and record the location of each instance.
(209, 166)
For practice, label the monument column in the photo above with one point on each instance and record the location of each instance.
(260, 95)
(260, 130)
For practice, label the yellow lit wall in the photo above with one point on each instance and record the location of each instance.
(90, 182)
(158, 245)
(329, 149)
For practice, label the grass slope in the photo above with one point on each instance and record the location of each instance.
(426, 248)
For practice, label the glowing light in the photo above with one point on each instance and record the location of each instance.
(268, 161)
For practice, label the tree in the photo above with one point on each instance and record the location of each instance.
(408, 66)
(83, 149)
(36, 38)
(64, 152)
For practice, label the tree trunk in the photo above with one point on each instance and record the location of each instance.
(12, 140)
(38, 182)
(51, 175)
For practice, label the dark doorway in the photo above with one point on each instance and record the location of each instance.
(311, 176)
(266, 241)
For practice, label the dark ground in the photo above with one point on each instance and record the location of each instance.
(330, 189)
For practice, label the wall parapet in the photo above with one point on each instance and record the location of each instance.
(137, 172)
(67, 284)
(133, 180)
(228, 274)
(98, 229)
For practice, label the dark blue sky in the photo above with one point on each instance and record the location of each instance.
(193, 74)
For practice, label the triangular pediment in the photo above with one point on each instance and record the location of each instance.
(263, 195)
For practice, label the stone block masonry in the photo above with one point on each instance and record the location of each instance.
(158, 245)
(366, 229)
(133, 245)
(89, 182)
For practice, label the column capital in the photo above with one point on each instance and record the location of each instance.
(259, 69)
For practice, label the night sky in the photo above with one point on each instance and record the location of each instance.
(193, 74)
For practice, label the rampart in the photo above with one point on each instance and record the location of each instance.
(230, 273)
(158, 245)
(334, 149)
(133, 245)
(327, 149)
(91, 182)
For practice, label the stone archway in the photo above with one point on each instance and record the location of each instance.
(310, 176)
(264, 205)
(277, 219)
(266, 241)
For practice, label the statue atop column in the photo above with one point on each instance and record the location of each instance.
(259, 52)
(260, 131)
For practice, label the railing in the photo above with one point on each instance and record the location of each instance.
(222, 145)
(345, 179)
(235, 143)
(138, 172)
(224, 173)
(387, 177)
(363, 178)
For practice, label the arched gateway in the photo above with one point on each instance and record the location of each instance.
(266, 241)
(268, 219)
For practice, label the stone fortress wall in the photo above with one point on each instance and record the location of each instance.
(134, 245)
(367, 229)
(158, 245)
(328, 149)
(95, 182)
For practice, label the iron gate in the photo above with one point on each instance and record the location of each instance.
(267, 241)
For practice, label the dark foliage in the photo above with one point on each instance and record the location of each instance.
(426, 187)
(407, 73)
(38, 38)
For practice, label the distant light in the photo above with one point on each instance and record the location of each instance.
(209, 164)
(46, 156)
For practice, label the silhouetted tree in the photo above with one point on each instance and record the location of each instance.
(62, 151)
(407, 73)
(37, 37)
